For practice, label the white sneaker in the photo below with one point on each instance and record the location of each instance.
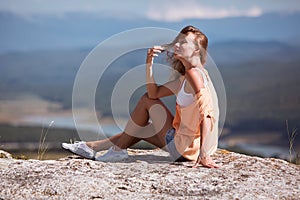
(113, 156)
(81, 149)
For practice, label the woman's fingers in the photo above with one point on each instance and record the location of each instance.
(195, 165)
(206, 163)
(154, 51)
(160, 48)
(213, 165)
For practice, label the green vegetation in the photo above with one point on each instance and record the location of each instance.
(22, 134)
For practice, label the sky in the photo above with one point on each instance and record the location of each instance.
(67, 23)
(167, 10)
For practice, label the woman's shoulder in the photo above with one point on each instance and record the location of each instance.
(198, 73)
(204, 74)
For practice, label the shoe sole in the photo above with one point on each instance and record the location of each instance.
(111, 160)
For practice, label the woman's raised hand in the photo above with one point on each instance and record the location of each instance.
(153, 52)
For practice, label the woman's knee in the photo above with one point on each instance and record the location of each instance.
(146, 99)
(145, 96)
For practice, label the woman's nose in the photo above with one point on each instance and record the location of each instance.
(177, 44)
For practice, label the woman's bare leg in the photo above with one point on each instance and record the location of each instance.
(146, 109)
(104, 144)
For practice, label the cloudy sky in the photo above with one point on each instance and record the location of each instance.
(167, 10)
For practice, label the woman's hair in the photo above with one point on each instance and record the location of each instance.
(201, 43)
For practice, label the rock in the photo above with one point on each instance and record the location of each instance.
(4, 154)
(149, 174)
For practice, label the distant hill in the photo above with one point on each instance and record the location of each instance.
(49, 74)
(261, 78)
(240, 51)
(75, 30)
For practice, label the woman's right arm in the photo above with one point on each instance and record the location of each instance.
(155, 91)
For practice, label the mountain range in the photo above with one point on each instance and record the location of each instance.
(22, 33)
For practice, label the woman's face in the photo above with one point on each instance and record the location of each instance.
(185, 47)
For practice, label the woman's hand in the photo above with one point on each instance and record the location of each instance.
(152, 52)
(206, 162)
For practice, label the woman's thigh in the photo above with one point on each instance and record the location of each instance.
(161, 120)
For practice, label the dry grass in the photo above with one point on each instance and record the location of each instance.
(42, 147)
(291, 136)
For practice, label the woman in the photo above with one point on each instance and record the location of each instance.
(190, 135)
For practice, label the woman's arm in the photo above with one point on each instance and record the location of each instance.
(196, 81)
(154, 91)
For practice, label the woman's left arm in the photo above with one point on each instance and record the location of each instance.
(196, 81)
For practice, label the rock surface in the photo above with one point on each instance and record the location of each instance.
(148, 174)
(4, 154)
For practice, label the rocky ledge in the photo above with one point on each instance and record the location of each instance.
(148, 174)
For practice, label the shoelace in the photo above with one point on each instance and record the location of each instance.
(79, 144)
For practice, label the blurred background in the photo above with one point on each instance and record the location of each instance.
(255, 45)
